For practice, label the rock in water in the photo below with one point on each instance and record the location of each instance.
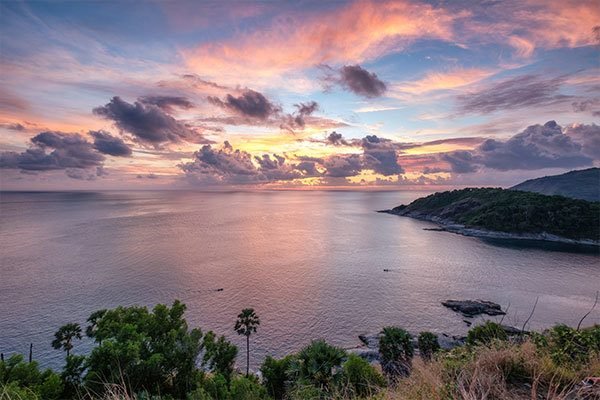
(471, 308)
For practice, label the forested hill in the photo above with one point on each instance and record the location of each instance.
(510, 211)
(583, 184)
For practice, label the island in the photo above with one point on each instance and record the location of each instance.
(509, 214)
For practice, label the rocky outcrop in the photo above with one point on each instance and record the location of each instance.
(471, 308)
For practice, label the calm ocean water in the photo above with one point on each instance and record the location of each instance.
(310, 263)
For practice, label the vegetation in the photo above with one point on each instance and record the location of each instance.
(396, 349)
(142, 354)
(63, 338)
(512, 211)
(428, 345)
(486, 333)
(246, 323)
(583, 184)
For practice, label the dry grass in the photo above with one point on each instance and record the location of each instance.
(501, 372)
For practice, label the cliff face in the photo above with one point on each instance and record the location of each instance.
(583, 184)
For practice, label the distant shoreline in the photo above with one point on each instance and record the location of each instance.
(452, 227)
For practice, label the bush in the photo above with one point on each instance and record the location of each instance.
(246, 388)
(214, 386)
(568, 345)
(220, 355)
(360, 377)
(20, 379)
(486, 333)
(396, 349)
(275, 376)
(428, 345)
(319, 364)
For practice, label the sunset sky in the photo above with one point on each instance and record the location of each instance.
(398, 94)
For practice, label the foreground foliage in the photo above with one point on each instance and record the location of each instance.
(143, 354)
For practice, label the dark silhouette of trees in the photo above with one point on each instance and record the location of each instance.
(247, 322)
(64, 337)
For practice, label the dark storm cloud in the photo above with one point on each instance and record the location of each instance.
(520, 92)
(167, 103)
(248, 104)
(537, 147)
(106, 143)
(360, 81)
(148, 123)
(54, 151)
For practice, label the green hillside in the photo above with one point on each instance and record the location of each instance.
(510, 211)
(583, 184)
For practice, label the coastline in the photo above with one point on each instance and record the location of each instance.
(447, 225)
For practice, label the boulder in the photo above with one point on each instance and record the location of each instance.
(471, 308)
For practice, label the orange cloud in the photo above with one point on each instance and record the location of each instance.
(444, 80)
(360, 31)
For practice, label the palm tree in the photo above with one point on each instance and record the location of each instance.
(246, 324)
(92, 329)
(65, 335)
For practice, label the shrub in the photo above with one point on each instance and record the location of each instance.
(214, 386)
(396, 349)
(318, 363)
(568, 345)
(247, 388)
(220, 355)
(275, 376)
(486, 333)
(360, 377)
(20, 379)
(428, 345)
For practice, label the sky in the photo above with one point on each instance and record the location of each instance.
(296, 95)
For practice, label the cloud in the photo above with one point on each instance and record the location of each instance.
(453, 79)
(167, 103)
(461, 161)
(233, 166)
(343, 165)
(520, 92)
(105, 143)
(14, 126)
(297, 120)
(588, 136)
(589, 105)
(248, 104)
(336, 139)
(537, 147)
(355, 79)
(351, 33)
(52, 150)
(148, 123)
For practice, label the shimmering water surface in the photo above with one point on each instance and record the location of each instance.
(310, 263)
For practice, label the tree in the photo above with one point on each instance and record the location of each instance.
(361, 378)
(428, 345)
(219, 355)
(155, 350)
(247, 323)
(64, 337)
(319, 364)
(93, 319)
(274, 373)
(396, 349)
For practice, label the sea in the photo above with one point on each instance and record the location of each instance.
(313, 265)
